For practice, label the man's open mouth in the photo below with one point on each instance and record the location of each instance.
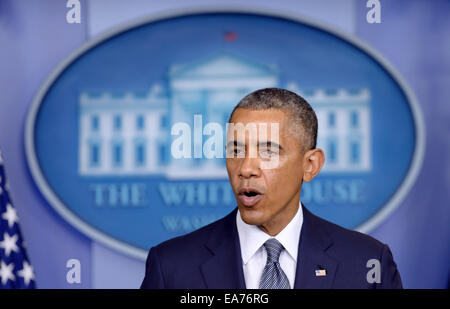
(249, 196)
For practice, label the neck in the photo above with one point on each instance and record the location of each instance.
(282, 219)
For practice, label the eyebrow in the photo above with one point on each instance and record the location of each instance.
(234, 143)
(266, 144)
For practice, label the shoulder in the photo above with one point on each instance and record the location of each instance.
(346, 240)
(356, 254)
(194, 242)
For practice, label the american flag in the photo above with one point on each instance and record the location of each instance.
(15, 269)
(230, 36)
(321, 272)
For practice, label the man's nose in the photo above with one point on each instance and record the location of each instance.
(250, 167)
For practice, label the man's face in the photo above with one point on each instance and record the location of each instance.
(265, 196)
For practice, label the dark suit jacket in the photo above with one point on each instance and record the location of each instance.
(211, 258)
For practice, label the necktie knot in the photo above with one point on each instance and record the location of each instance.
(273, 249)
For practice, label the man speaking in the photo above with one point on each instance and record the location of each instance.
(271, 241)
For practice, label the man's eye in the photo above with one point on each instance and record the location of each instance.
(236, 151)
(268, 152)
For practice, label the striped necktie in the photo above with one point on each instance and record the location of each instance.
(273, 276)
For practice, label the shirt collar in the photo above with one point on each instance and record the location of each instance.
(251, 237)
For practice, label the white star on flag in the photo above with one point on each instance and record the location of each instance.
(6, 272)
(9, 243)
(10, 215)
(27, 273)
(12, 252)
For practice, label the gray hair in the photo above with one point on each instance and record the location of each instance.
(300, 112)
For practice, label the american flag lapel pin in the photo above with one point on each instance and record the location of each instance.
(321, 272)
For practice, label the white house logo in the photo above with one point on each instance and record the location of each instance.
(126, 134)
(98, 135)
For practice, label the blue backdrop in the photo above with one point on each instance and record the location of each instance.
(411, 36)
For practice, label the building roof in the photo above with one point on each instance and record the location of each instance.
(224, 64)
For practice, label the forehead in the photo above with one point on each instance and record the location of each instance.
(244, 116)
(289, 135)
(248, 117)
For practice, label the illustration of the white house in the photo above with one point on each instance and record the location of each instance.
(130, 133)
(344, 127)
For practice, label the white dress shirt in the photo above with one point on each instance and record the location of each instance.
(254, 255)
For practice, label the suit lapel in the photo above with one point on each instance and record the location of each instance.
(314, 242)
(223, 270)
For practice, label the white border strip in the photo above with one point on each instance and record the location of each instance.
(135, 252)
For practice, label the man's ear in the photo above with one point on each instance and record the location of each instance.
(313, 161)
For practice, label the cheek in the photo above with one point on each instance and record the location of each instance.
(232, 163)
(284, 179)
(232, 166)
(275, 181)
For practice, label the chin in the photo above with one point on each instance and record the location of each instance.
(251, 216)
